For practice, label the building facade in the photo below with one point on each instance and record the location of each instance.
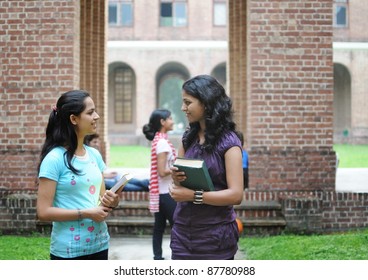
(153, 47)
(157, 52)
(280, 66)
(350, 68)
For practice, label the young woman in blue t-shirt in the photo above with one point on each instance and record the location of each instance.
(71, 191)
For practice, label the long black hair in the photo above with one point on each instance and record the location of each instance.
(218, 110)
(154, 125)
(60, 131)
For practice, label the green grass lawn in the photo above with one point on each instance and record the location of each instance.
(24, 248)
(129, 156)
(343, 246)
(352, 156)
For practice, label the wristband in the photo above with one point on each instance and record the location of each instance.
(79, 215)
(198, 197)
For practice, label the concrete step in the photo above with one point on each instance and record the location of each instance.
(245, 205)
(258, 218)
(133, 217)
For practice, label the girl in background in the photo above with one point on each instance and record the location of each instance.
(163, 156)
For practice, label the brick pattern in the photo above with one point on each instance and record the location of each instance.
(37, 63)
(93, 68)
(291, 73)
(286, 78)
(292, 169)
(40, 59)
(304, 212)
(17, 212)
(238, 71)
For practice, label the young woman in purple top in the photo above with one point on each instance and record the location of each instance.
(204, 222)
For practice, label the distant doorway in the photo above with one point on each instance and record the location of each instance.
(219, 72)
(170, 79)
(342, 104)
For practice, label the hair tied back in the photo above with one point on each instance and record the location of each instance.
(54, 109)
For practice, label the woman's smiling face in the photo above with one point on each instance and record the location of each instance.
(86, 122)
(192, 107)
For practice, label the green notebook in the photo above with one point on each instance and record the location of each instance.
(196, 172)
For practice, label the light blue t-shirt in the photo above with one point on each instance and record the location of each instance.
(72, 239)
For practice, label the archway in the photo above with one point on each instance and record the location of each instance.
(169, 80)
(342, 104)
(219, 72)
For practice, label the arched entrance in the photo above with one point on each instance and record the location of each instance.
(342, 104)
(169, 80)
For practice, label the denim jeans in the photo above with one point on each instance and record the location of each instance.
(133, 185)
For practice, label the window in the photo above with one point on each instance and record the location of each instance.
(219, 13)
(113, 13)
(121, 13)
(341, 13)
(123, 94)
(173, 13)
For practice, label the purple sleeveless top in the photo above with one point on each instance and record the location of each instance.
(204, 231)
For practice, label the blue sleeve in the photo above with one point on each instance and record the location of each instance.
(52, 165)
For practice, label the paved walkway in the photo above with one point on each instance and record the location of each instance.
(140, 248)
(352, 180)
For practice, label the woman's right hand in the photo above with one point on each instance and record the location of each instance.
(177, 175)
(97, 214)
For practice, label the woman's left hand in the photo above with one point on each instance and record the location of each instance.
(110, 199)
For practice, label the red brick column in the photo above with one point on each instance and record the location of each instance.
(93, 78)
(40, 58)
(290, 94)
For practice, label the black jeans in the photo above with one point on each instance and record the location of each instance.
(103, 255)
(167, 208)
(246, 178)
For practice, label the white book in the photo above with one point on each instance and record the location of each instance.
(120, 184)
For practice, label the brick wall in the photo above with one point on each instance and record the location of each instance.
(286, 78)
(237, 68)
(304, 212)
(37, 64)
(93, 68)
(42, 56)
(318, 211)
